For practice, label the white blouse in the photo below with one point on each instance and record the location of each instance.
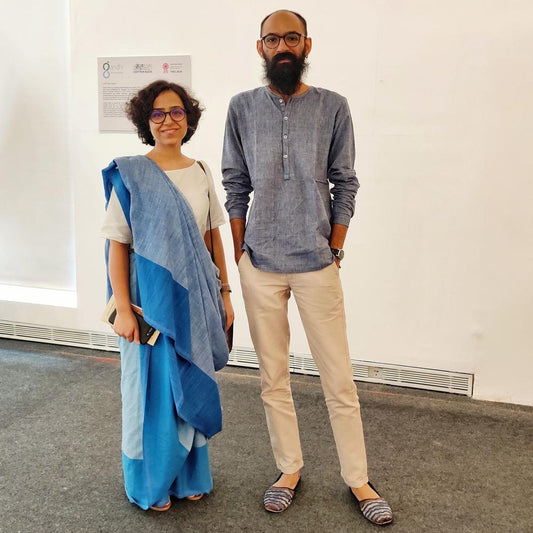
(193, 183)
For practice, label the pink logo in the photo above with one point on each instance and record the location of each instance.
(165, 68)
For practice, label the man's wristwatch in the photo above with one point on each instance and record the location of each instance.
(339, 254)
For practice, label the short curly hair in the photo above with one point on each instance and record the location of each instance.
(139, 108)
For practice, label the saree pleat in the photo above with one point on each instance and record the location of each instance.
(162, 455)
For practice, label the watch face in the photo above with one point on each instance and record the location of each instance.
(339, 254)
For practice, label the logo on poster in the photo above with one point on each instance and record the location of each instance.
(142, 68)
(108, 68)
(165, 68)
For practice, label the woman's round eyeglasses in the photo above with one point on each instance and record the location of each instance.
(291, 39)
(177, 114)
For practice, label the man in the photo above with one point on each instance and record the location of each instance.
(287, 142)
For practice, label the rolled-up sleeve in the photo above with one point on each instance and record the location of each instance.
(236, 176)
(341, 173)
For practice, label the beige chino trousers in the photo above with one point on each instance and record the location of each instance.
(320, 302)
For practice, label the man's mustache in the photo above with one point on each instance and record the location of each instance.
(284, 55)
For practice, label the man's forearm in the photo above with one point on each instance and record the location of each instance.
(237, 231)
(338, 235)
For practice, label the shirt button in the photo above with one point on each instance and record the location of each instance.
(285, 156)
(285, 136)
(281, 100)
(285, 118)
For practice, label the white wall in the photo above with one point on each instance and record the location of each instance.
(439, 257)
(36, 214)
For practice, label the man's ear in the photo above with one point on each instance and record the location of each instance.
(308, 46)
(260, 47)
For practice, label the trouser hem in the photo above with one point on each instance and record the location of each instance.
(357, 483)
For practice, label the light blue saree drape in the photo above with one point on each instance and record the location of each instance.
(170, 397)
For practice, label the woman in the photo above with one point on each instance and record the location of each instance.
(161, 223)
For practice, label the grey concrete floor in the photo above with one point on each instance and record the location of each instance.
(445, 463)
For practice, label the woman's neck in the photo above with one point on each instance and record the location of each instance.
(169, 158)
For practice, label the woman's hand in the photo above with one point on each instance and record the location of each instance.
(126, 326)
(228, 307)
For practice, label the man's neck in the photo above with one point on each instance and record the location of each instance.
(302, 87)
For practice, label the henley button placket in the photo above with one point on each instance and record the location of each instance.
(285, 147)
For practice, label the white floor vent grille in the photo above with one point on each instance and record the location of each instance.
(51, 335)
(403, 376)
(386, 374)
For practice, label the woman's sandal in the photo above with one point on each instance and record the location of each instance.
(278, 499)
(165, 507)
(375, 510)
(194, 498)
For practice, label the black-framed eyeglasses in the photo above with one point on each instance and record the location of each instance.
(291, 39)
(177, 114)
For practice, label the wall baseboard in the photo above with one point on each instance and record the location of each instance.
(368, 371)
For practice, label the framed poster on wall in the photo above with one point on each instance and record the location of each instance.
(119, 78)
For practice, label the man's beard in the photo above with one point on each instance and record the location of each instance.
(285, 77)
